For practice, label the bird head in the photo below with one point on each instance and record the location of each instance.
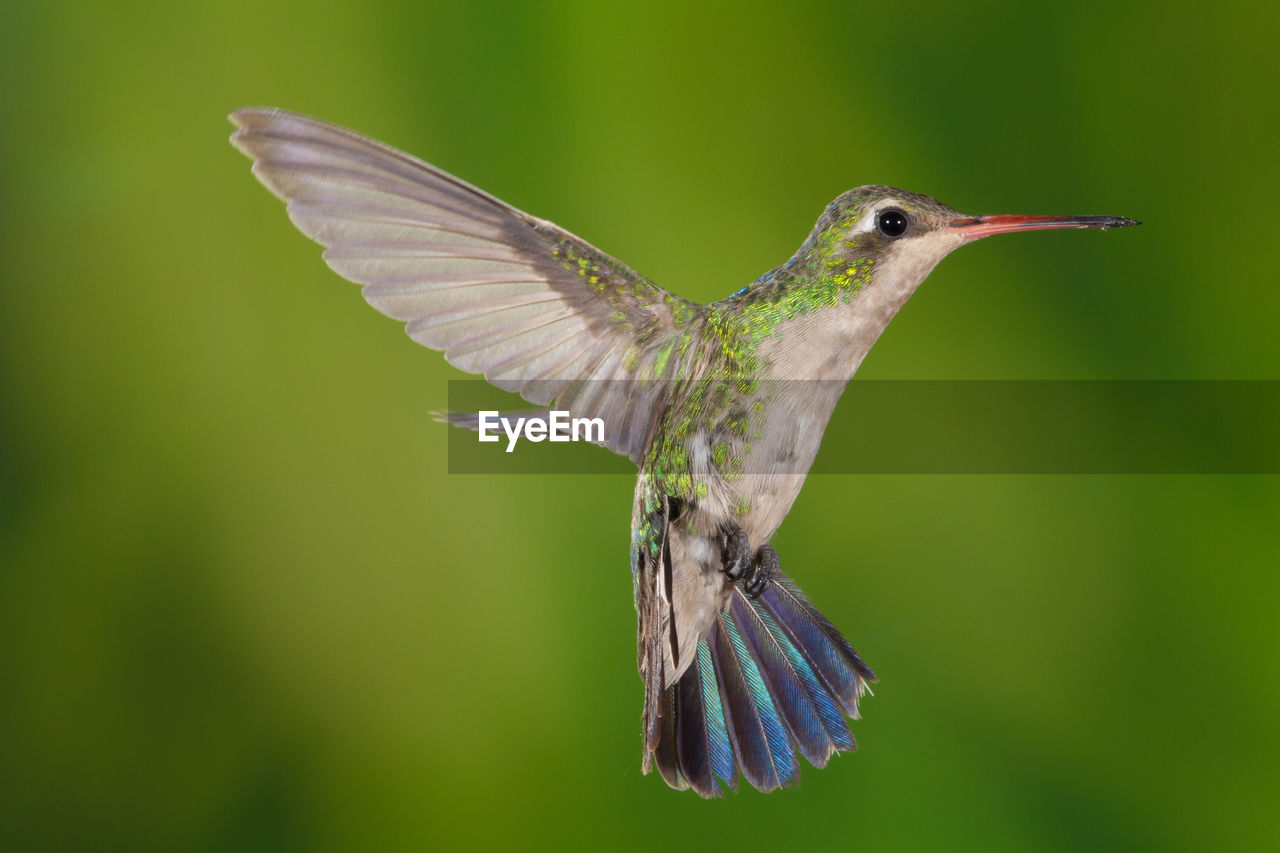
(905, 234)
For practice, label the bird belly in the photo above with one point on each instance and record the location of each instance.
(699, 591)
(753, 480)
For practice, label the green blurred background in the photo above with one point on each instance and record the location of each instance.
(243, 606)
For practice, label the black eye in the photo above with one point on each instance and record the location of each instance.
(892, 222)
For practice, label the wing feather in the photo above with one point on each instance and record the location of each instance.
(525, 303)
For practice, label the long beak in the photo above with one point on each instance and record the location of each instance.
(977, 227)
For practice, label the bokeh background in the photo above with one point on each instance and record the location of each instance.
(244, 607)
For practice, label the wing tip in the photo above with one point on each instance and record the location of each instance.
(246, 121)
(249, 121)
(247, 117)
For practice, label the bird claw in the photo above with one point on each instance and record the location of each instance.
(753, 571)
(762, 571)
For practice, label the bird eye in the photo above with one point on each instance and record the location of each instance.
(892, 222)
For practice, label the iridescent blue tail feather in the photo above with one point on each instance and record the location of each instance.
(772, 680)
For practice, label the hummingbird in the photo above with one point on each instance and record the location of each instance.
(722, 408)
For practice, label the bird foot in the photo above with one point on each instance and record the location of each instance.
(753, 571)
(762, 571)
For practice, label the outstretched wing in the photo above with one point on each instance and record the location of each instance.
(518, 299)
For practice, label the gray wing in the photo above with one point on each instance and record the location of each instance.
(530, 306)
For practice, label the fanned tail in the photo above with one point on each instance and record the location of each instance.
(772, 679)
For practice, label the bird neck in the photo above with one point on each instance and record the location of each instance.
(816, 316)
